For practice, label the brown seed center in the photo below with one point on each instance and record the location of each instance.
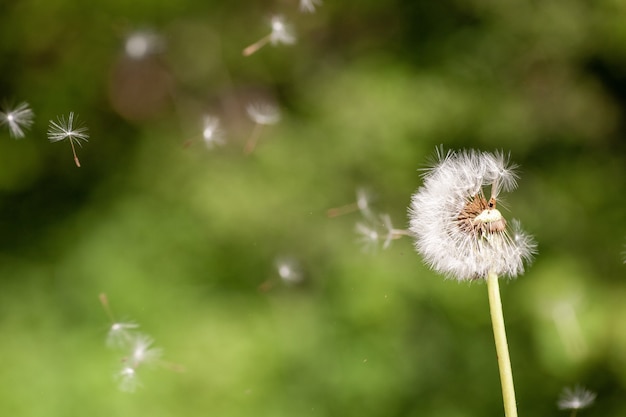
(480, 216)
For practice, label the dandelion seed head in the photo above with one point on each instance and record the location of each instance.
(575, 398)
(17, 119)
(263, 113)
(460, 232)
(282, 32)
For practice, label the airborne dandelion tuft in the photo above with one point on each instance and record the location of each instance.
(17, 119)
(282, 32)
(68, 128)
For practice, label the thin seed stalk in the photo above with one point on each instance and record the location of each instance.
(502, 348)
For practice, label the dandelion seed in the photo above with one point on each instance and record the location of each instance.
(362, 203)
(575, 398)
(368, 236)
(289, 270)
(459, 232)
(391, 232)
(17, 119)
(68, 128)
(211, 132)
(262, 114)
(143, 43)
(308, 6)
(142, 351)
(120, 334)
(282, 32)
(127, 379)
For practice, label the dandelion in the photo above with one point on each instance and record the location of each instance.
(143, 43)
(461, 234)
(68, 128)
(262, 114)
(362, 204)
(282, 32)
(17, 119)
(575, 399)
(308, 6)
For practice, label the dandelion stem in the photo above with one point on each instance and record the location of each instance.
(502, 348)
(252, 140)
(249, 50)
(104, 300)
(340, 211)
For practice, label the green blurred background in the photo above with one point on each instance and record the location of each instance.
(184, 240)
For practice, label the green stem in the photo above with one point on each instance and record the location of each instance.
(502, 348)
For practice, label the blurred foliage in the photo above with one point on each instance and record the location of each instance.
(183, 239)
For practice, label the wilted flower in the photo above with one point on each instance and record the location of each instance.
(142, 43)
(576, 398)
(262, 113)
(460, 232)
(281, 33)
(17, 119)
(64, 128)
(308, 6)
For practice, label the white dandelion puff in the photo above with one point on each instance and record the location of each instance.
(212, 133)
(143, 43)
(282, 32)
(289, 270)
(308, 6)
(142, 351)
(262, 114)
(68, 128)
(368, 236)
(459, 232)
(127, 379)
(17, 119)
(120, 334)
(575, 398)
